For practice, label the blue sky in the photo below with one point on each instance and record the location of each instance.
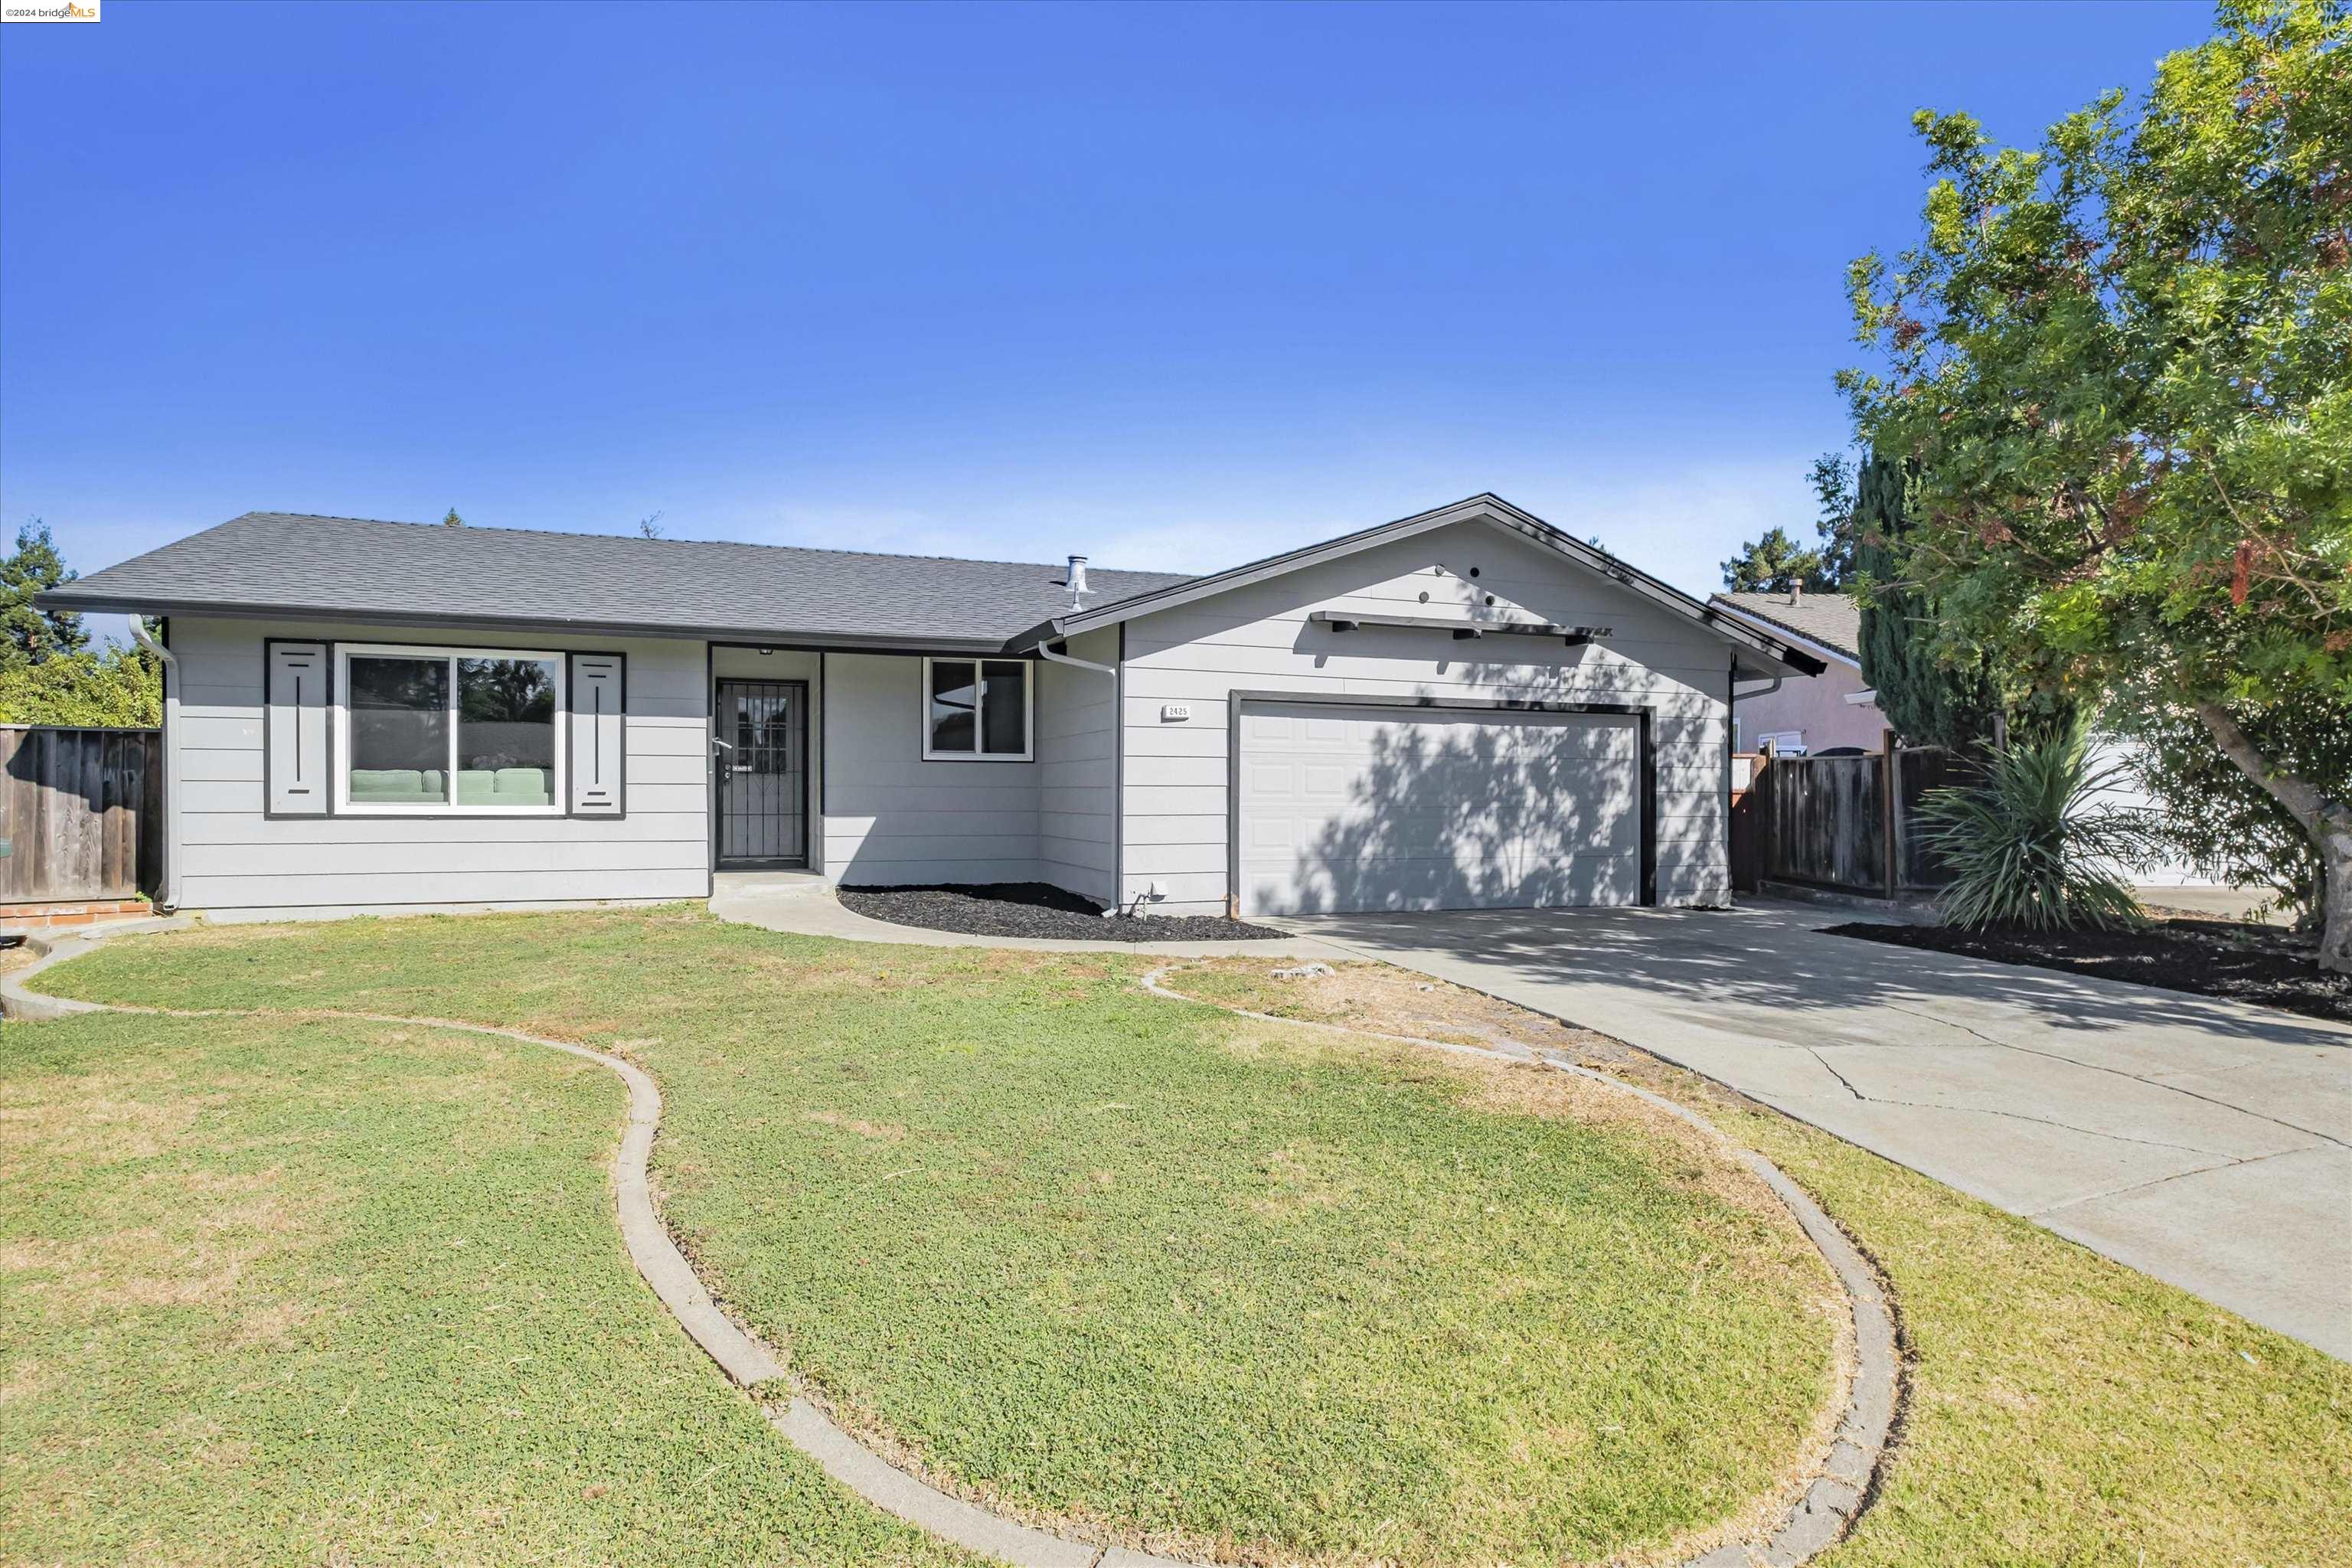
(1174, 285)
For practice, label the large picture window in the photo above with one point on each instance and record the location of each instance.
(449, 731)
(976, 710)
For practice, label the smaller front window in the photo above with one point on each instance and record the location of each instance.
(976, 708)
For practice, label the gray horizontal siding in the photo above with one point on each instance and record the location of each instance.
(892, 817)
(235, 862)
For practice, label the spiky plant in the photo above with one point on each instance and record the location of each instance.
(2032, 846)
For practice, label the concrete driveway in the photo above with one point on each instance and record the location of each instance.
(2206, 1142)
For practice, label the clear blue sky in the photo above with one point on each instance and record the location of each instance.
(1174, 286)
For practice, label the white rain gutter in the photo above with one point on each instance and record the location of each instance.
(1046, 652)
(166, 883)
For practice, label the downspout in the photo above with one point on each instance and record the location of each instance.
(166, 883)
(1046, 651)
(1731, 709)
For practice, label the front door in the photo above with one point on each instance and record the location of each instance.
(763, 767)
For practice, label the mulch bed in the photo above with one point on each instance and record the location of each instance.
(1035, 909)
(2268, 965)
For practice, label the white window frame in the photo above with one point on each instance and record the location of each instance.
(559, 799)
(1028, 710)
(1787, 743)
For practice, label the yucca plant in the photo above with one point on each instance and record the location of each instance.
(2032, 846)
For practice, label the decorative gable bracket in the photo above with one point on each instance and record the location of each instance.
(1463, 631)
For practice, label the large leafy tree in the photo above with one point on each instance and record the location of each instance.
(2121, 363)
(34, 634)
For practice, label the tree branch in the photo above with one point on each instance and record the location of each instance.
(2316, 811)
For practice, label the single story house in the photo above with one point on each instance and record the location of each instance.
(1466, 708)
(1834, 709)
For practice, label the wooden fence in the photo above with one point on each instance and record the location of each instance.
(83, 813)
(1851, 824)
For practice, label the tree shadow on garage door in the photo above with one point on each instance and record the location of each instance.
(1480, 809)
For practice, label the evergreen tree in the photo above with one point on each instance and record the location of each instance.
(453, 520)
(1774, 565)
(35, 634)
(1927, 702)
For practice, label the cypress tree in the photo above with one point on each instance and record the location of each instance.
(1927, 703)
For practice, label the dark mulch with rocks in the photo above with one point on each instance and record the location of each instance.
(2266, 964)
(1035, 909)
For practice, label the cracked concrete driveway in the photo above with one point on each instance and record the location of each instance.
(2206, 1142)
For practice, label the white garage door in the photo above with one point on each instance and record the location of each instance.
(1351, 808)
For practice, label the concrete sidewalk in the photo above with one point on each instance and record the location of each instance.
(802, 904)
(2206, 1142)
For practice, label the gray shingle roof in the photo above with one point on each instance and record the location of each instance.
(1832, 620)
(277, 564)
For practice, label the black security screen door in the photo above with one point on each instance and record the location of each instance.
(763, 767)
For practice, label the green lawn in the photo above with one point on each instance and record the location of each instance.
(333, 1292)
(1103, 1256)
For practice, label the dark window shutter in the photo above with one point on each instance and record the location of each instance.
(294, 726)
(599, 689)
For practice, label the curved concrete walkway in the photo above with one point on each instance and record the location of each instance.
(800, 904)
(1839, 1480)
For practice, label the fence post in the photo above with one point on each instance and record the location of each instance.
(1891, 809)
(1767, 789)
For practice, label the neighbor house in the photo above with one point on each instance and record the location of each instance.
(1463, 709)
(1818, 714)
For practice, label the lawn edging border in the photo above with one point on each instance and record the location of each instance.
(1846, 1478)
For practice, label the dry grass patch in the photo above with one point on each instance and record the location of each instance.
(1382, 999)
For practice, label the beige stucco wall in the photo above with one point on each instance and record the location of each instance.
(1815, 705)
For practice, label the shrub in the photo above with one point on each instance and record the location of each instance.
(2028, 848)
(114, 686)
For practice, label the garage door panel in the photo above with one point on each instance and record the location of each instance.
(1274, 887)
(1381, 809)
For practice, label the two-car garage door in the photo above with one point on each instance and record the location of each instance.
(1370, 807)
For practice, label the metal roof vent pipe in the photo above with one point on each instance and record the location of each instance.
(1078, 589)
